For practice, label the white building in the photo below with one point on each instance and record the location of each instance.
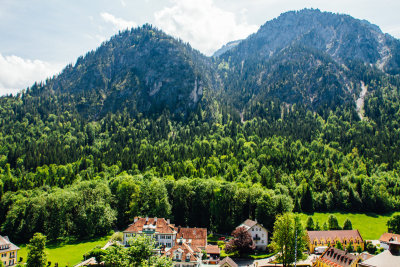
(257, 232)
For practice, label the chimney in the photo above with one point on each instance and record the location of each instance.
(155, 220)
(168, 221)
(135, 219)
(147, 219)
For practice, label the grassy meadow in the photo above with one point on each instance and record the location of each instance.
(66, 253)
(370, 225)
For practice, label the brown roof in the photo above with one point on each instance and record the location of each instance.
(386, 237)
(229, 261)
(159, 225)
(336, 257)
(195, 237)
(333, 234)
(213, 249)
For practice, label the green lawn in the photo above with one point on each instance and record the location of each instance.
(370, 225)
(66, 253)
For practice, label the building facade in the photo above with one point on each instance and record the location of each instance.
(160, 229)
(183, 245)
(258, 233)
(327, 238)
(8, 251)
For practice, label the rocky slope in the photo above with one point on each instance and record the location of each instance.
(142, 70)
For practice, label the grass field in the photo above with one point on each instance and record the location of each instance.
(370, 225)
(66, 253)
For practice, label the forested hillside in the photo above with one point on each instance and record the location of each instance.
(145, 125)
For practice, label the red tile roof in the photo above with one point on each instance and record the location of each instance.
(195, 237)
(336, 257)
(160, 225)
(387, 236)
(333, 234)
(213, 249)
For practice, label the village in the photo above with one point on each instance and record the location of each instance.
(187, 246)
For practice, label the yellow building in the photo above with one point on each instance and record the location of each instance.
(333, 257)
(328, 238)
(8, 251)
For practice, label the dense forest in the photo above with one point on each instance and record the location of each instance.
(76, 160)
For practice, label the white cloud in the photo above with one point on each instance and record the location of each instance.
(119, 24)
(203, 24)
(17, 73)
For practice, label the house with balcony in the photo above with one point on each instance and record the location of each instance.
(183, 245)
(258, 233)
(159, 228)
(8, 251)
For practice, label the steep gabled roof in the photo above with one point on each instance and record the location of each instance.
(159, 225)
(183, 248)
(247, 224)
(6, 245)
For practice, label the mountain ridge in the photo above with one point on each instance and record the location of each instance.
(144, 70)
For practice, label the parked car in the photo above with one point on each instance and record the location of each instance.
(319, 250)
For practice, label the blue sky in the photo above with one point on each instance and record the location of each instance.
(39, 37)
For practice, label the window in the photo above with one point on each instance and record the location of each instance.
(262, 235)
(262, 241)
(4, 255)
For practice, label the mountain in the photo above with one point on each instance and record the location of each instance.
(308, 57)
(226, 48)
(305, 57)
(341, 36)
(141, 70)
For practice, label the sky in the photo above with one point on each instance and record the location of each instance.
(40, 37)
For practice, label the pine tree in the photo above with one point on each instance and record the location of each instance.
(347, 225)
